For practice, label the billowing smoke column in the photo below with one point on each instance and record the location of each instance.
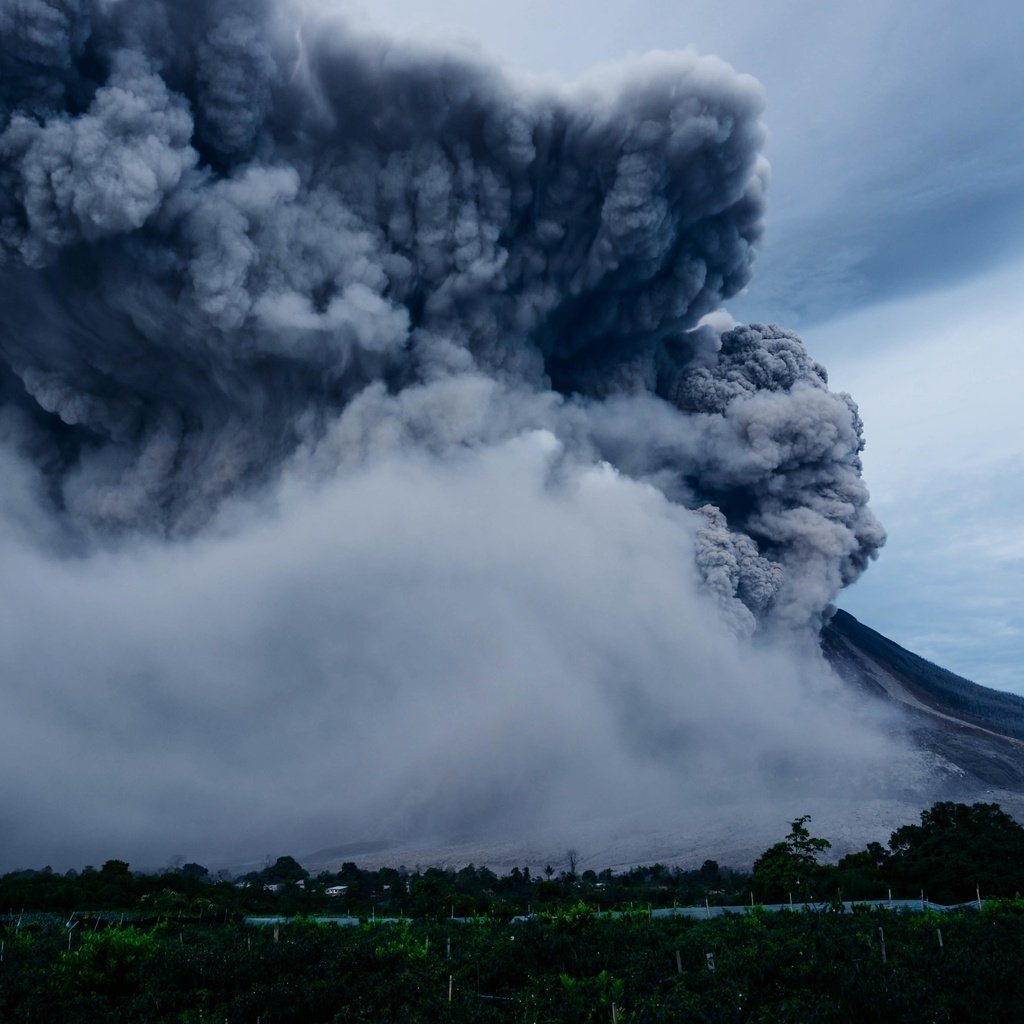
(241, 250)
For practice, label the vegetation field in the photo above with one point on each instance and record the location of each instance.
(571, 967)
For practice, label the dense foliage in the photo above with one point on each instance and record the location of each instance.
(572, 967)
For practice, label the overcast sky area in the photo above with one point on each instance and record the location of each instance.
(894, 246)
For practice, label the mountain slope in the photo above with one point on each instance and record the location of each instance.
(977, 730)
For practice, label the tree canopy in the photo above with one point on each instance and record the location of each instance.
(957, 847)
(791, 867)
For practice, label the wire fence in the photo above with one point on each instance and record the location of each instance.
(102, 918)
(846, 907)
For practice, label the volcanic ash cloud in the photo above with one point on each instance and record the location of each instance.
(369, 464)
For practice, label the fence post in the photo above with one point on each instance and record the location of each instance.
(679, 963)
(881, 935)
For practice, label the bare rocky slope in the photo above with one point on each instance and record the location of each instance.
(977, 730)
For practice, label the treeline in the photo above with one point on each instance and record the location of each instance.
(954, 853)
(284, 887)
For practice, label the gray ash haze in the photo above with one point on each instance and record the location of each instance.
(375, 461)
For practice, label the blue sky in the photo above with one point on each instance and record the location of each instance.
(894, 246)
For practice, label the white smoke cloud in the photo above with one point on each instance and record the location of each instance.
(422, 648)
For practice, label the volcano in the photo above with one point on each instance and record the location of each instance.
(382, 464)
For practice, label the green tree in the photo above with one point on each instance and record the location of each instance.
(284, 869)
(790, 866)
(865, 874)
(957, 847)
(113, 886)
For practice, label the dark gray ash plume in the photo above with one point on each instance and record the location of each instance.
(242, 253)
(217, 233)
